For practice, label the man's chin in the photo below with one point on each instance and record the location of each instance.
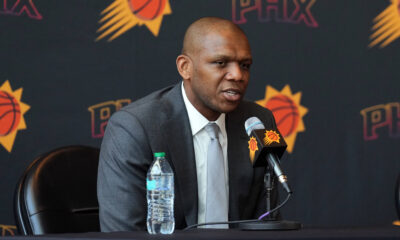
(229, 107)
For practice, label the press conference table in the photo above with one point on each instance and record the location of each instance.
(390, 232)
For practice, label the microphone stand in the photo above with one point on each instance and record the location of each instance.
(269, 222)
(269, 186)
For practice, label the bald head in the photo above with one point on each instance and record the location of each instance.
(200, 29)
(215, 66)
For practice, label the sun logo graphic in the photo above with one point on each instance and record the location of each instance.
(386, 26)
(12, 112)
(252, 147)
(270, 137)
(287, 111)
(123, 15)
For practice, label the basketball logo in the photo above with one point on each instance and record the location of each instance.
(147, 9)
(270, 137)
(287, 111)
(10, 113)
(122, 15)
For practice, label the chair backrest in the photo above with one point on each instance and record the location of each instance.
(57, 193)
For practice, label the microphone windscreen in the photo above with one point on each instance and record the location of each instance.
(253, 123)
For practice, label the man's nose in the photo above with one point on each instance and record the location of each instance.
(235, 72)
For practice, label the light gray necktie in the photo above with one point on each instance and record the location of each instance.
(216, 202)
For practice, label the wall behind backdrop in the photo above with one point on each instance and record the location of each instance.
(329, 70)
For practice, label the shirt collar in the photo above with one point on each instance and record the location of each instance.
(197, 120)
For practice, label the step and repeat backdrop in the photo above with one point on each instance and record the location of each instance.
(329, 71)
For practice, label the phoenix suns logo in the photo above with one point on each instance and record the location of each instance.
(281, 11)
(386, 26)
(270, 137)
(123, 15)
(252, 147)
(12, 112)
(287, 111)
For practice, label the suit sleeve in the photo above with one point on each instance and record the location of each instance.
(125, 157)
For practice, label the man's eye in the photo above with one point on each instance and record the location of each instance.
(245, 65)
(220, 63)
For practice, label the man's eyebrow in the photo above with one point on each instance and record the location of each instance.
(250, 59)
(247, 60)
(223, 56)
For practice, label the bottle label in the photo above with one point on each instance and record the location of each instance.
(151, 184)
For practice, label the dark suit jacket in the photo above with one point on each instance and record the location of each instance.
(159, 123)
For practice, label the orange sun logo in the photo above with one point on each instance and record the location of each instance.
(252, 147)
(270, 137)
(386, 26)
(123, 15)
(287, 111)
(12, 112)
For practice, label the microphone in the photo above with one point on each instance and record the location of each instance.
(266, 147)
(266, 144)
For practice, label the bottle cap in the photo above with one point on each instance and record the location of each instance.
(159, 154)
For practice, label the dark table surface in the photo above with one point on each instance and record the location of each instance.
(389, 232)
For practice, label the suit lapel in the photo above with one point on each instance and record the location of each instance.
(178, 135)
(240, 167)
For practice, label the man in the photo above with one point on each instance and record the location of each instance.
(215, 68)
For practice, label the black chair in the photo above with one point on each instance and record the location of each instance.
(57, 193)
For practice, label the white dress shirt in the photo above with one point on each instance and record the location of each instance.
(201, 140)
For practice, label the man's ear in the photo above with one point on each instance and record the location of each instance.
(184, 65)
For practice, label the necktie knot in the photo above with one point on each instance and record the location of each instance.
(212, 130)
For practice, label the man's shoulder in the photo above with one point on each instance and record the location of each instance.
(157, 105)
(150, 102)
(247, 109)
(252, 108)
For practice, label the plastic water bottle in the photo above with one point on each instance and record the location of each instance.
(160, 196)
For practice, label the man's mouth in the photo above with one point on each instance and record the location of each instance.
(232, 94)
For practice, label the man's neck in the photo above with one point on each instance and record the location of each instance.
(209, 114)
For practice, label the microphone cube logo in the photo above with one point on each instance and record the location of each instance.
(270, 137)
(253, 148)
